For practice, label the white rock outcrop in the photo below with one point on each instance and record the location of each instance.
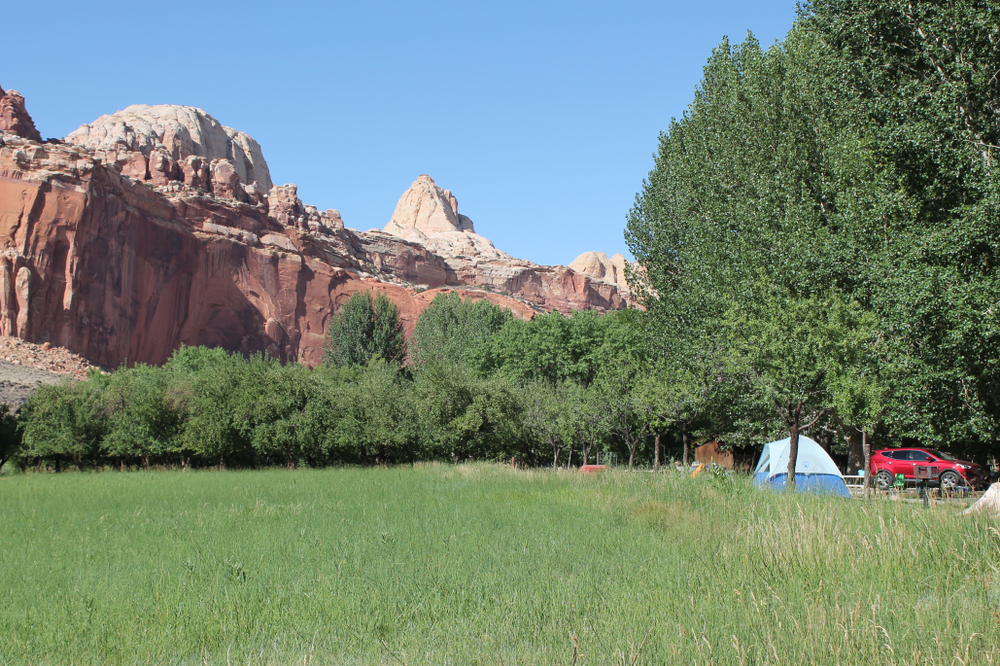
(174, 132)
(428, 214)
(598, 266)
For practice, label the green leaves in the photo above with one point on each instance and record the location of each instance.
(464, 415)
(451, 330)
(366, 326)
(550, 348)
(824, 219)
(65, 421)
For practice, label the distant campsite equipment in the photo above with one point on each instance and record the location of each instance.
(731, 457)
(815, 471)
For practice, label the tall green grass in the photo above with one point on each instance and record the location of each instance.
(482, 565)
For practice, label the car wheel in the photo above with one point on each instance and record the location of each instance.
(884, 480)
(950, 480)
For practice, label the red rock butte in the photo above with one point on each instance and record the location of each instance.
(157, 227)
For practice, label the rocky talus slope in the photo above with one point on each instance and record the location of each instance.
(157, 226)
(24, 366)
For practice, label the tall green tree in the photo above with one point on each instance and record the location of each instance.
(674, 397)
(550, 347)
(584, 417)
(790, 353)
(66, 422)
(451, 330)
(463, 415)
(922, 76)
(143, 422)
(549, 417)
(364, 327)
(741, 225)
(377, 418)
(624, 360)
(268, 409)
(208, 385)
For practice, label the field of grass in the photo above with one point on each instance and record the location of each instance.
(482, 565)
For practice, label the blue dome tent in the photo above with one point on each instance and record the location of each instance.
(815, 471)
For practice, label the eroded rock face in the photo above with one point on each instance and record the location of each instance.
(124, 261)
(598, 266)
(14, 117)
(428, 215)
(172, 133)
(286, 207)
(110, 269)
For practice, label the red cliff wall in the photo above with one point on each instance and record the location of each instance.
(117, 272)
(126, 268)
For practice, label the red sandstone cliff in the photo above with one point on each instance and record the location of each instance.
(14, 117)
(185, 243)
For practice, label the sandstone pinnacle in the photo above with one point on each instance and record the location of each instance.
(14, 117)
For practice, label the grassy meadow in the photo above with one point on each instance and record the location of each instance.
(482, 565)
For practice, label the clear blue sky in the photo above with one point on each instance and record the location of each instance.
(541, 117)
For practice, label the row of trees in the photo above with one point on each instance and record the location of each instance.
(478, 384)
(822, 227)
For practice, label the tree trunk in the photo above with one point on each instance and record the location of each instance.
(656, 454)
(631, 455)
(569, 464)
(855, 453)
(866, 447)
(684, 439)
(793, 445)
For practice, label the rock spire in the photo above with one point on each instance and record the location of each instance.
(14, 117)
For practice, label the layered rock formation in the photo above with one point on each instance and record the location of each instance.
(428, 215)
(599, 267)
(143, 232)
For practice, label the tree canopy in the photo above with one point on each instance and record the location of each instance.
(823, 218)
(364, 327)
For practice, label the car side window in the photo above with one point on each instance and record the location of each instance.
(917, 456)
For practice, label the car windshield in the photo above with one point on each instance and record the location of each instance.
(942, 456)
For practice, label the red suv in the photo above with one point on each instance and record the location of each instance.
(951, 472)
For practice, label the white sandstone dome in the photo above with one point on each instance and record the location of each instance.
(180, 131)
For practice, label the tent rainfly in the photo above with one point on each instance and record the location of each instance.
(815, 471)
